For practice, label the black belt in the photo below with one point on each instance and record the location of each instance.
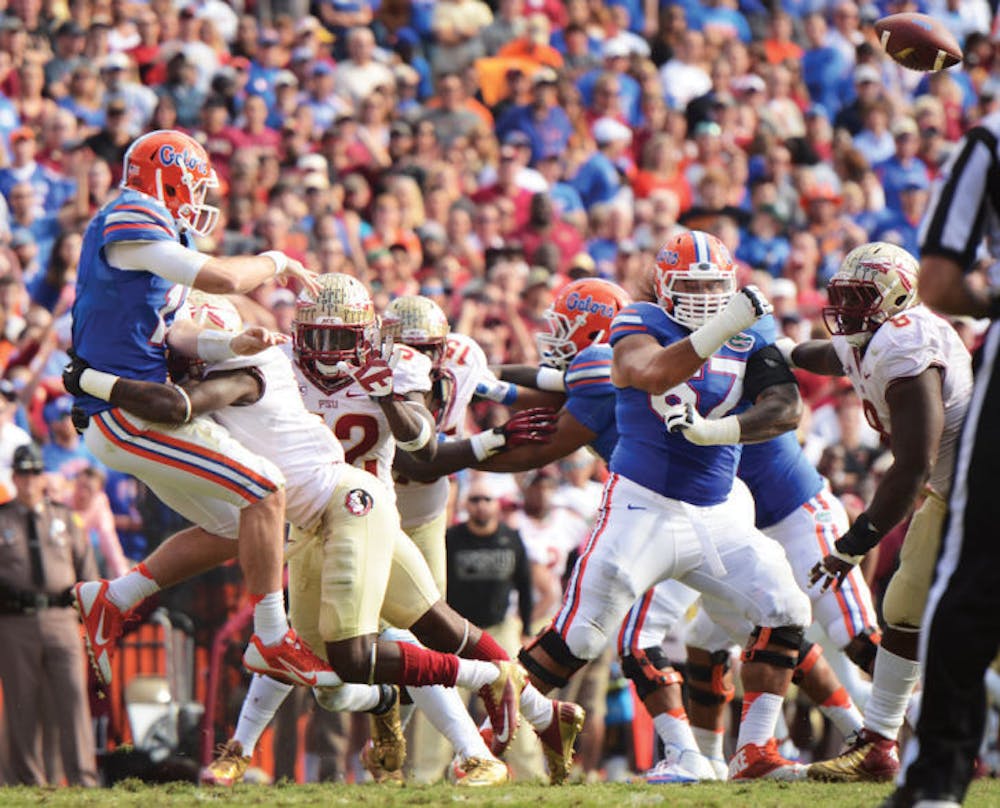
(29, 602)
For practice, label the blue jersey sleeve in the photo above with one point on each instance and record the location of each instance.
(645, 318)
(135, 217)
(590, 396)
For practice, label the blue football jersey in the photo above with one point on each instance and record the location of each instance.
(779, 476)
(590, 396)
(121, 317)
(667, 463)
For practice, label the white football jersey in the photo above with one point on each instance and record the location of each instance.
(902, 348)
(358, 422)
(279, 428)
(550, 540)
(463, 365)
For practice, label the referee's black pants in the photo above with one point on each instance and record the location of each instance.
(962, 623)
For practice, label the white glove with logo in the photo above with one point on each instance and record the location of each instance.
(375, 378)
(744, 309)
(684, 418)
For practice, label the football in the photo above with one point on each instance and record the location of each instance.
(918, 41)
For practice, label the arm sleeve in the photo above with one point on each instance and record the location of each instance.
(168, 259)
(766, 368)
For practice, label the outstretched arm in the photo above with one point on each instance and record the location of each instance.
(817, 356)
(776, 410)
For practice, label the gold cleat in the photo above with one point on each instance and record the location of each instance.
(871, 758)
(503, 700)
(385, 754)
(229, 766)
(558, 739)
(475, 772)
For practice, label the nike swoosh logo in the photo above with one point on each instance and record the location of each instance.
(636, 507)
(504, 735)
(356, 395)
(307, 678)
(100, 638)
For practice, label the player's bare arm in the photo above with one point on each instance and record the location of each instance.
(528, 431)
(409, 419)
(916, 411)
(776, 410)
(817, 356)
(641, 362)
(947, 289)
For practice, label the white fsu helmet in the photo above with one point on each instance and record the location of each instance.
(418, 321)
(336, 325)
(875, 282)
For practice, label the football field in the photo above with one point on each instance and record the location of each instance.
(984, 794)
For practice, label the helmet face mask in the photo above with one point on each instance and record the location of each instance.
(694, 278)
(580, 316)
(339, 325)
(174, 168)
(875, 282)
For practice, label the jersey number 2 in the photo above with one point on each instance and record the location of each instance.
(344, 428)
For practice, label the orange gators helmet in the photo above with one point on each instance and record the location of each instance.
(580, 316)
(694, 277)
(173, 168)
(874, 283)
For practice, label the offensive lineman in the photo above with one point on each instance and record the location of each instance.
(914, 377)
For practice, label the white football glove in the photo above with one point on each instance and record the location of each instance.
(684, 418)
(375, 378)
(744, 309)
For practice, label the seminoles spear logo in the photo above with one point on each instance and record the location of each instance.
(358, 502)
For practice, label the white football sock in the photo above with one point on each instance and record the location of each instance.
(473, 674)
(536, 708)
(348, 698)
(132, 588)
(892, 683)
(269, 620)
(841, 711)
(759, 719)
(674, 730)
(261, 703)
(448, 714)
(710, 742)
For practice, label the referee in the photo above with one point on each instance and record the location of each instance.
(962, 621)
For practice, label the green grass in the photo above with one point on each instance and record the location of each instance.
(984, 794)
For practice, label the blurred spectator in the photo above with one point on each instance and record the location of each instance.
(11, 436)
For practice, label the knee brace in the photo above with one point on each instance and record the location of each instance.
(862, 648)
(552, 644)
(711, 689)
(757, 648)
(809, 654)
(587, 641)
(650, 670)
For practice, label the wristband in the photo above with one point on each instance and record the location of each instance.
(187, 402)
(551, 379)
(486, 444)
(279, 258)
(721, 431)
(420, 441)
(97, 383)
(707, 339)
(861, 537)
(215, 346)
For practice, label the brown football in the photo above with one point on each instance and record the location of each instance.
(918, 41)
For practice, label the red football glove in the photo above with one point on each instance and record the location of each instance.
(375, 377)
(536, 425)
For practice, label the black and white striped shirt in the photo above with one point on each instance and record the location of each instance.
(965, 204)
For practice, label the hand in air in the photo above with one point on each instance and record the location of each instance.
(308, 278)
(375, 377)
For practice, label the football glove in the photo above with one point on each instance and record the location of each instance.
(684, 418)
(375, 377)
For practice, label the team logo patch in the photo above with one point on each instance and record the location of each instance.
(358, 502)
(824, 517)
(741, 343)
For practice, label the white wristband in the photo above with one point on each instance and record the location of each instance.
(279, 258)
(786, 345)
(420, 441)
(720, 432)
(486, 444)
(215, 346)
(97, 383)
(187, 402)
(850, 559)
(551, 379)
(710, 337)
